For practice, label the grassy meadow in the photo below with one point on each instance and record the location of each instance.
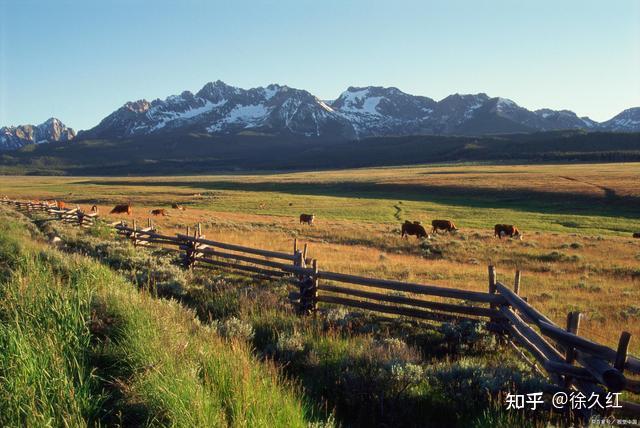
(136, 359)
(82, 346)
(577, 252)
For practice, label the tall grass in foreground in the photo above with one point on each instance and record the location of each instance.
(45, 375)
(81, 346)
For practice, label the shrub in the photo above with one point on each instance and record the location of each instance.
(470, 383)
(467, 336)
(233, 327)
(431, 251)
(289, 345)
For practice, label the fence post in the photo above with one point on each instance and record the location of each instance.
(492, 279)
(134, 234)
(197, 234)
(186, 246)
(516, 283)
(308, 290)
(573, 326)
(493, 325)
(314, 290)
(623, 347)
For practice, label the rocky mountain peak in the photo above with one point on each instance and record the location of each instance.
(51, 130)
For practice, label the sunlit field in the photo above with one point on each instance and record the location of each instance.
(577, 253)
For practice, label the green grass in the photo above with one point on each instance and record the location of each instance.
(369, 371)
(79, 345)
(46, 378)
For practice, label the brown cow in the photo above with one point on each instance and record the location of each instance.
(159, 211)
(307, 218)
(121, 209)
(507, 230)
(445, 225)
(636, 235)
(60, 205)
(414, 228)
(177, 206)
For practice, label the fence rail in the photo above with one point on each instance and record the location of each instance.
(571, 361)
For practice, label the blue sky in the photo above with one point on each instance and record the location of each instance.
(80, 60)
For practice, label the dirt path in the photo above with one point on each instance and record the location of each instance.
(609, 193)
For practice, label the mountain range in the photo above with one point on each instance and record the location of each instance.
(219, 109)
(14, 137)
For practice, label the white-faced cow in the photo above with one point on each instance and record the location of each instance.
(509, 230)
(446, 225)
(307, 218)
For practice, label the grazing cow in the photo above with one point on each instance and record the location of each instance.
(510, 230)
(94, 209)
(121, 209)
(307, 218)
(177, 206)
(60, 205)
(159, 211)
(445, 225)
(414, 228)
(636, 235)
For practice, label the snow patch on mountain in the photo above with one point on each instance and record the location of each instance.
(249, 116)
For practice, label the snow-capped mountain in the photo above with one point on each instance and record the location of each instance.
(14, 137)
(628, 120)
(359, 112)
(222, 109)
(384, 111)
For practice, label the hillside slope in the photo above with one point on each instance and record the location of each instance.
(200, 153)
(84, 347)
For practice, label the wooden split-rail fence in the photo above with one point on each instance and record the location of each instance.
(571, 361)
(66, 215)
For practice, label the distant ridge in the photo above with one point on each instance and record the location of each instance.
(219, 109)
(359, 112)
(53, 130)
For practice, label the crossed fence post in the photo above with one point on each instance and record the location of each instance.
(308, 285)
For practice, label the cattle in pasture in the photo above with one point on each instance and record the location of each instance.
(61, 205)
(159, 211)
(636, 235)
(509, 230)
(177, 206)
(446, 225)
(94, 209)
(122, 209)
(307, 218)
(414, 229)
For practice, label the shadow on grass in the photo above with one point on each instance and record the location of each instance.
(609, 204)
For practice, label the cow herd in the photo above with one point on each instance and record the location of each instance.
(416, 229)
(121, 208)
(408, 228)
(127, 209)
